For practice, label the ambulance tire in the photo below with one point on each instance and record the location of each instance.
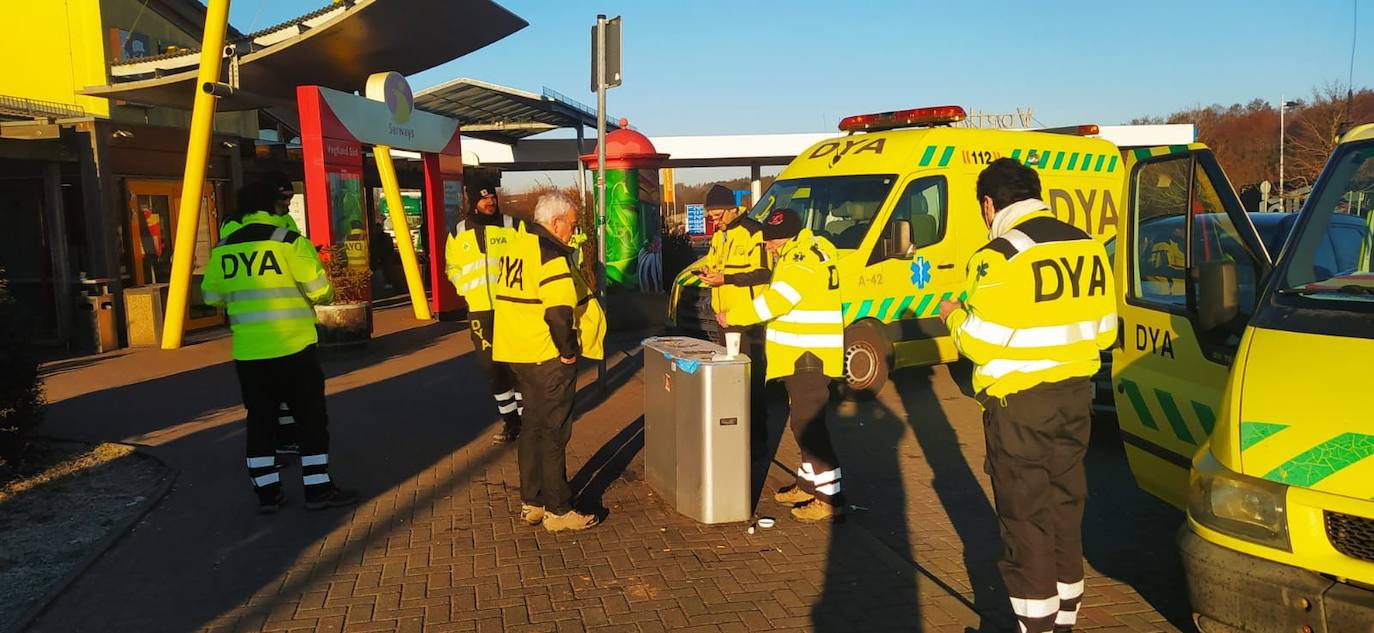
(867, 360)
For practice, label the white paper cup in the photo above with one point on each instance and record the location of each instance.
(732, 344)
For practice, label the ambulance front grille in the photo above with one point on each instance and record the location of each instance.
(1351, 535)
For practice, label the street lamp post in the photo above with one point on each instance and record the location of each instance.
(1283, 107)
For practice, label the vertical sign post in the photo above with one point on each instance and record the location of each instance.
(605, 75)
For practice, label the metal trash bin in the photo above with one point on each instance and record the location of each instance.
(696, 428)
(143, 308)
(98, 320)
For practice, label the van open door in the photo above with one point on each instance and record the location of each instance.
(1184, 229)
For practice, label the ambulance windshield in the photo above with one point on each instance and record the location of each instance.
(1332, 256)
(839, 208)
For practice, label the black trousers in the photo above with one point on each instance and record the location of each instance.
(1035, 446)
(548, 388)
(482, 328)
(808, 394)
(298, 381)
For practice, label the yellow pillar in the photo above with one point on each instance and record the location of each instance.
(392, 189)
(193, 181)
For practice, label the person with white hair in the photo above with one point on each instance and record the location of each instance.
(545, 319)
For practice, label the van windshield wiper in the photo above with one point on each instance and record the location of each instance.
(1349, 289)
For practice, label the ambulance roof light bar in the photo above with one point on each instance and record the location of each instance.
(917, 117)
(1076, 130)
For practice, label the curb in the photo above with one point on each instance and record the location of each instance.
(154, 498)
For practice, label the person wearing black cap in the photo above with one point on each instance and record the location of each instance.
(805, 349)
(737, 270)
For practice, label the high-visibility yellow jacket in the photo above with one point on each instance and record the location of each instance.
(266, 276)
(1040, 307)
(801, 306)
(737, 251)
(539, 306)
(472, 253)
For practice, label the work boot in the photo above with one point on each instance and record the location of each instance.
(270, 505)
(792, 495)
(817, 510)
(531, 515)
(506, 436)
(331, 497)
(570, 520)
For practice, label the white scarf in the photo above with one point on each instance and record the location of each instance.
(1003, 220)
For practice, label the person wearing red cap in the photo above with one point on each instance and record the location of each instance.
(805, 348)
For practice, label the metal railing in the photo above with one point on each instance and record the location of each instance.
(550, 93)
(38, 109)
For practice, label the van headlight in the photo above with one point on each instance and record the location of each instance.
(1236, 505)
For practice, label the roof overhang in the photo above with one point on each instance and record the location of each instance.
(336, 49)
(502, 114)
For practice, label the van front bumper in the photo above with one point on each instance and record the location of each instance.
(1232, 592)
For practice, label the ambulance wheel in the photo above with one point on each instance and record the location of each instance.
(867, 359)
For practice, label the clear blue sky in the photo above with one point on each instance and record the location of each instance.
(704, 67)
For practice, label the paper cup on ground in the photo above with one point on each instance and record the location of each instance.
(732, 344)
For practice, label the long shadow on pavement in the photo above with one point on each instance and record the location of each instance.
(203, 557)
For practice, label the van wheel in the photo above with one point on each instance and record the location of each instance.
(867, 359)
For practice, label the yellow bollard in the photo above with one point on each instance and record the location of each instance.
(392, 188)
(193, 181)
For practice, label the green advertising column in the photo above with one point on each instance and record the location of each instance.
(632, 202)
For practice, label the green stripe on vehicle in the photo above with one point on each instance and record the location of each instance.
(925, 301)
(1016, 154)
(844, 311)
(1252, 433)
(963, 296)
(1087, 162)
(1058, 160)
(1205, 416)
(1111, 166)
(1045, 159)
(901, 307)
(1138, 403)
(1142, 153)
(928, 155)
(944, 158)
(864, 309)
(1073, 161)
(944, 297)
(1323, 460)
(883, 308)
(1178, 149)
(1101, 158)
(1175, 418)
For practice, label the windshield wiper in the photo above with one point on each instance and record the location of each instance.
(1350, 289)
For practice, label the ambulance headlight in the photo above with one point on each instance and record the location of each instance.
(1236, 505)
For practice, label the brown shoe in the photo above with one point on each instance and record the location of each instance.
(817, 510)
(570, 520)
(531, 515)
(792, 495)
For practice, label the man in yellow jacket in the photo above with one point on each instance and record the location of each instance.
(471, 257)
(266, 276)
(805, 348)
(1040, 308)
(542, 316)
(737, 269)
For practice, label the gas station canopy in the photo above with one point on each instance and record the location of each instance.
(338, 47)
(501, 114)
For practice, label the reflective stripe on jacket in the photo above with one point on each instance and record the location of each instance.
(266, 276)
(741, 256)
(1040, 307)
(471, 255)
(801, 306)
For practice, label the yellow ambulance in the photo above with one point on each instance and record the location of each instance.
(896, 196)
(1240, 387)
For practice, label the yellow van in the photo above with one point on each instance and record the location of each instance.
(896, 197)
(1240, 387)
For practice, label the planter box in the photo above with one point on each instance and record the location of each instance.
(344, 325)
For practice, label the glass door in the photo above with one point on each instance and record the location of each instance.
(153, 209)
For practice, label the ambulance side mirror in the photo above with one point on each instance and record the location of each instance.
(901, 239)
(1218, 298)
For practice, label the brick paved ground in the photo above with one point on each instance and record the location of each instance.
(436, 546)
